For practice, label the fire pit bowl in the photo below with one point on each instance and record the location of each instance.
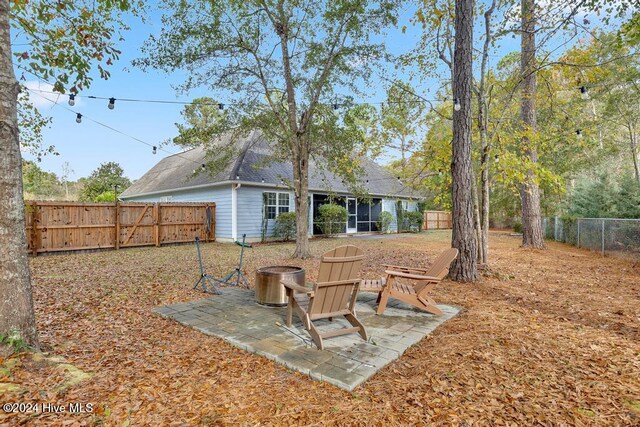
(268, 289)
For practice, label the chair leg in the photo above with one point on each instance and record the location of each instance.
(384, 295)
(315, 335)
(379, 297)
(430, 306)
(355, 322)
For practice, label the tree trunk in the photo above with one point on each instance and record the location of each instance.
(476, 216)
(17, 317)
(483, 124)
(301, 188)
(529, 190)
(484, 179)
(634, 153)
(464, 268)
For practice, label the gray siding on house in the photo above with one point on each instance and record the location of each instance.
(220, 195)
(389, 205)
(250, 211)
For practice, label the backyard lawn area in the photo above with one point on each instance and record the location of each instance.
(549, 337)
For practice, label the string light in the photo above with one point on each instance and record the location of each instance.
(72, 99)
(112, 103)
(203, 167)
(496, 158)
(237, 177)
(78, 118)
(579, 133)
(262, 180)
(335, 107)
(154, 150)
(584, 92)
(456, 104)
(220, 107)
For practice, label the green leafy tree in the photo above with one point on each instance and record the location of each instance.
(104, 181)
(282, 61)
(38, 183)
(400, 118)
(203, 119)
(628, 198)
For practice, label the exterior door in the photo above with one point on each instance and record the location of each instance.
(351, 215)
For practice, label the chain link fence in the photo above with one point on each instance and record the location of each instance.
(605, 235)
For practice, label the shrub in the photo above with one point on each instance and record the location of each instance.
(517, 227)
(414, 220)
(384, 222)
(332, 219)
(285, 228)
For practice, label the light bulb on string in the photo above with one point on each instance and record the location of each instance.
(220, 107)
(584, 92)
(496, 158)
(154, 150)
(78, 118)
(262, 180)
(72, 99)
(112, 103)
(456, 104)
(578, 133)
(203, 167)
(335, 107)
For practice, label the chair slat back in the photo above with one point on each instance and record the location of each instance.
(341, 264)
(440, 267)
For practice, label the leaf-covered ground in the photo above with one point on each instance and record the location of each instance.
(546, 337)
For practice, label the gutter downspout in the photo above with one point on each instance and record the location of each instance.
(234, 211)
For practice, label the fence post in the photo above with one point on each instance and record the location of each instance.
(116, 243)
(156, 224)
(603, 237)
(578, 243)
(34, 228)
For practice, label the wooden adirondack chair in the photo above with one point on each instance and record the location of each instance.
(415, 284)
(334, 294)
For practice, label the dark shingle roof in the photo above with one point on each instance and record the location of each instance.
(252, 165)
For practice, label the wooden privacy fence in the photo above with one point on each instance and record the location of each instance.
(436, 220)
(71, 226)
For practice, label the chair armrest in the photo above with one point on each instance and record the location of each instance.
(398, 267)
(296, 288)
(411, 276)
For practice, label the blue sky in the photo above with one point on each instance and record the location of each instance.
(85, 146)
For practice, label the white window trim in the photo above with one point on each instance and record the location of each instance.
(277, 205)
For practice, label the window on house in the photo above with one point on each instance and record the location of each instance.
(276, 203)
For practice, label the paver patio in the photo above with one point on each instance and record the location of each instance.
(346, 362)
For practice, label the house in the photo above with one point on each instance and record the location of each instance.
(250, 193)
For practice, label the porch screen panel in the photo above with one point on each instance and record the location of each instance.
(376, 208)
(364, 215)
(323, 199)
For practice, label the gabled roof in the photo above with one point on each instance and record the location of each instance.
(252, 165)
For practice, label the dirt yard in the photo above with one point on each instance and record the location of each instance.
(546, 337)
